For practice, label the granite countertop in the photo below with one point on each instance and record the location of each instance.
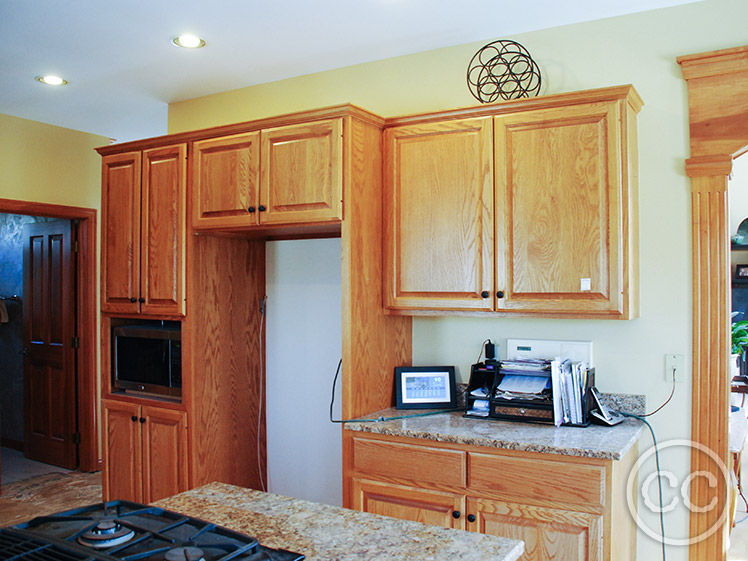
(594, 441)
(329, 533)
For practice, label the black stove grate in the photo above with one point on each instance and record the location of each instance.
(18, 547)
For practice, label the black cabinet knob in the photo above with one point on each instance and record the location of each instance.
(456, 514)
(133, 299)
(471, 517)
(142, 419)
(251, 209)
(484, 294)
(134, 418)
(261, 208)
(141, 300)
(500, 294)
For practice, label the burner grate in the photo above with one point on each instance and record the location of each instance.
(17, 547)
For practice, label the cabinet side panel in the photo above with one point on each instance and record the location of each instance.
(373, 342)
(226, 355)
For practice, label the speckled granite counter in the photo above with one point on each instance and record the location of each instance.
(323, 532)
(595, 441)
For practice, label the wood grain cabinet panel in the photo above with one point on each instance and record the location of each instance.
(406, 503)
(302, 173)
(428, 465)
(561, 535)
(143, 207)
(226, 181)
(535, 217)
(145, 448)
(164, 453)
(120, 204)
(122, 458)
(561, 245)
(439, 216)
(563, 508)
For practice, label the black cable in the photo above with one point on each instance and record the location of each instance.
(378, 419)
(657, 463)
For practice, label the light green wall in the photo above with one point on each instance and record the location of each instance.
(639, 49)
(45, 163)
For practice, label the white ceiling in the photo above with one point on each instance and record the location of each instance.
(123, 71)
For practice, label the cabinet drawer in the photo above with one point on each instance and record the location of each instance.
(414, 463)
(542, 479)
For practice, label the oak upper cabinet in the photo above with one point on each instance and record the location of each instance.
(143, 202)
(439, 215)
(302, 173)
(535, 217)
(565, 195)
(283, 175)
(145, 451)
(226, 180)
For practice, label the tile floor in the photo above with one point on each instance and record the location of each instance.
(15, 467)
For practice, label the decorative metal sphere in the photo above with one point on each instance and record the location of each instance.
(503, 69)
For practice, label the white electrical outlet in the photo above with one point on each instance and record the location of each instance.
(674, 365)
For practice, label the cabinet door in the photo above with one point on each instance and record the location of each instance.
(302, 173)
(549, 534)
(406, 503)
(122, 452)
(561, 204)
(225, 181)
(120, 204)
(163, 230)
(439, 216)
(164, 453)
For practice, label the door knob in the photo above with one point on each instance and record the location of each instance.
(484, 294)
(471, 517)
(251, 209)
(261, 208)
(500, 294)
(134, 418)
(456, 514)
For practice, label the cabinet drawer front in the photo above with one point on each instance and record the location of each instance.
(541, 479)
(415, 463)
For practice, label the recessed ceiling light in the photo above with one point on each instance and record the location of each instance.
(51, 80)
(188, 41)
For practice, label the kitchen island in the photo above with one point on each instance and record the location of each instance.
(324, 532)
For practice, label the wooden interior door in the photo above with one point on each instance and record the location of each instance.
(122, 451)
(439, 216)
(162, 230)
(302, 173)
(406, 503)
(48, 331)
(558, 197)
(164, 453)
(225, 181)
(120, 234)
(549, 534)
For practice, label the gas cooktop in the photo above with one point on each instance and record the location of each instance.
(125, 531)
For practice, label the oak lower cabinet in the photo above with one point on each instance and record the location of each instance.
(291, 174)
(525, 208)
(564, 508)
(143, 231)
(145, 451)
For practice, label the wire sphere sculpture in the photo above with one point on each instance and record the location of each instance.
(503, 69)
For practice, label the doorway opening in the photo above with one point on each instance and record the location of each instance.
(83, 316)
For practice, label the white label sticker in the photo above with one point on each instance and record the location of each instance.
(585, 285)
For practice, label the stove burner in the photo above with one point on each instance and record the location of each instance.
(185, 554)
(106, 533)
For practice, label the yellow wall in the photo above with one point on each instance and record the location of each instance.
(639, 49)
(45, 163)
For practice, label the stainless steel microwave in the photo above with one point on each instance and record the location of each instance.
(148, 359)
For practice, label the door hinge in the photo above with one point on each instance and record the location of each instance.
(76, 343)
(76, 246)
(76, 438)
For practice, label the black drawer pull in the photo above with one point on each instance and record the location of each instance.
(134, 418)
(456, 514)
(485, 294)
(471, 517)
(251, 209)
(261, 208)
